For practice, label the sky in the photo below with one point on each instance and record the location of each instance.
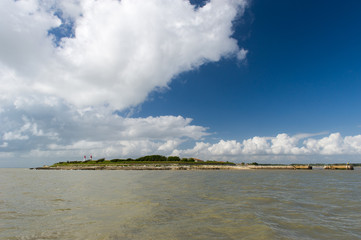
(229, 80)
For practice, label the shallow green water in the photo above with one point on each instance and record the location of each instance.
(244, 204)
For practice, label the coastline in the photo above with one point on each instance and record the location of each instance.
(145, 167)
(175, 167)
(159, 162)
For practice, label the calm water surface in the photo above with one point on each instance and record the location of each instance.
(244, 204)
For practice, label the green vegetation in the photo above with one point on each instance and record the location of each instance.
(174, 158)
(146, 160)
(152, 158)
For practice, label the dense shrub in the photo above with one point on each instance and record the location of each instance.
(152, 158)
(188, 160)
(173, 158)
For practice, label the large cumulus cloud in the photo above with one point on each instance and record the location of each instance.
(110, 52)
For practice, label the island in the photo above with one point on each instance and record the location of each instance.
(159, 162)
(151, 162)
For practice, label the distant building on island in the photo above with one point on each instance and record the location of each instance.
(197, 160)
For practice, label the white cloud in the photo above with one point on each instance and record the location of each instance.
(109, 149)
(14, 136)
(281, 145)
(169, 146)
(255, 145)
(161, 127)
(138, 148)
(242, 54)
(284, 144)
(28, 128)
(58, 130)
(353, 143)
(121, 50)
(4, 145)
(335, 144)
(230, 147)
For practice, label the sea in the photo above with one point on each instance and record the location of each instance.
(199, 204)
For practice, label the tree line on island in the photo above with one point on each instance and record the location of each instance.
(148, 159)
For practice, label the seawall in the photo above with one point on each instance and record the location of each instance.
(339, 167)
(281, 167)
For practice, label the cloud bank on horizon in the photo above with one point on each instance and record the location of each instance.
(67, 66)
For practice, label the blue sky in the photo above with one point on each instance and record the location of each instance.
(266, 81)
(302, 74)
